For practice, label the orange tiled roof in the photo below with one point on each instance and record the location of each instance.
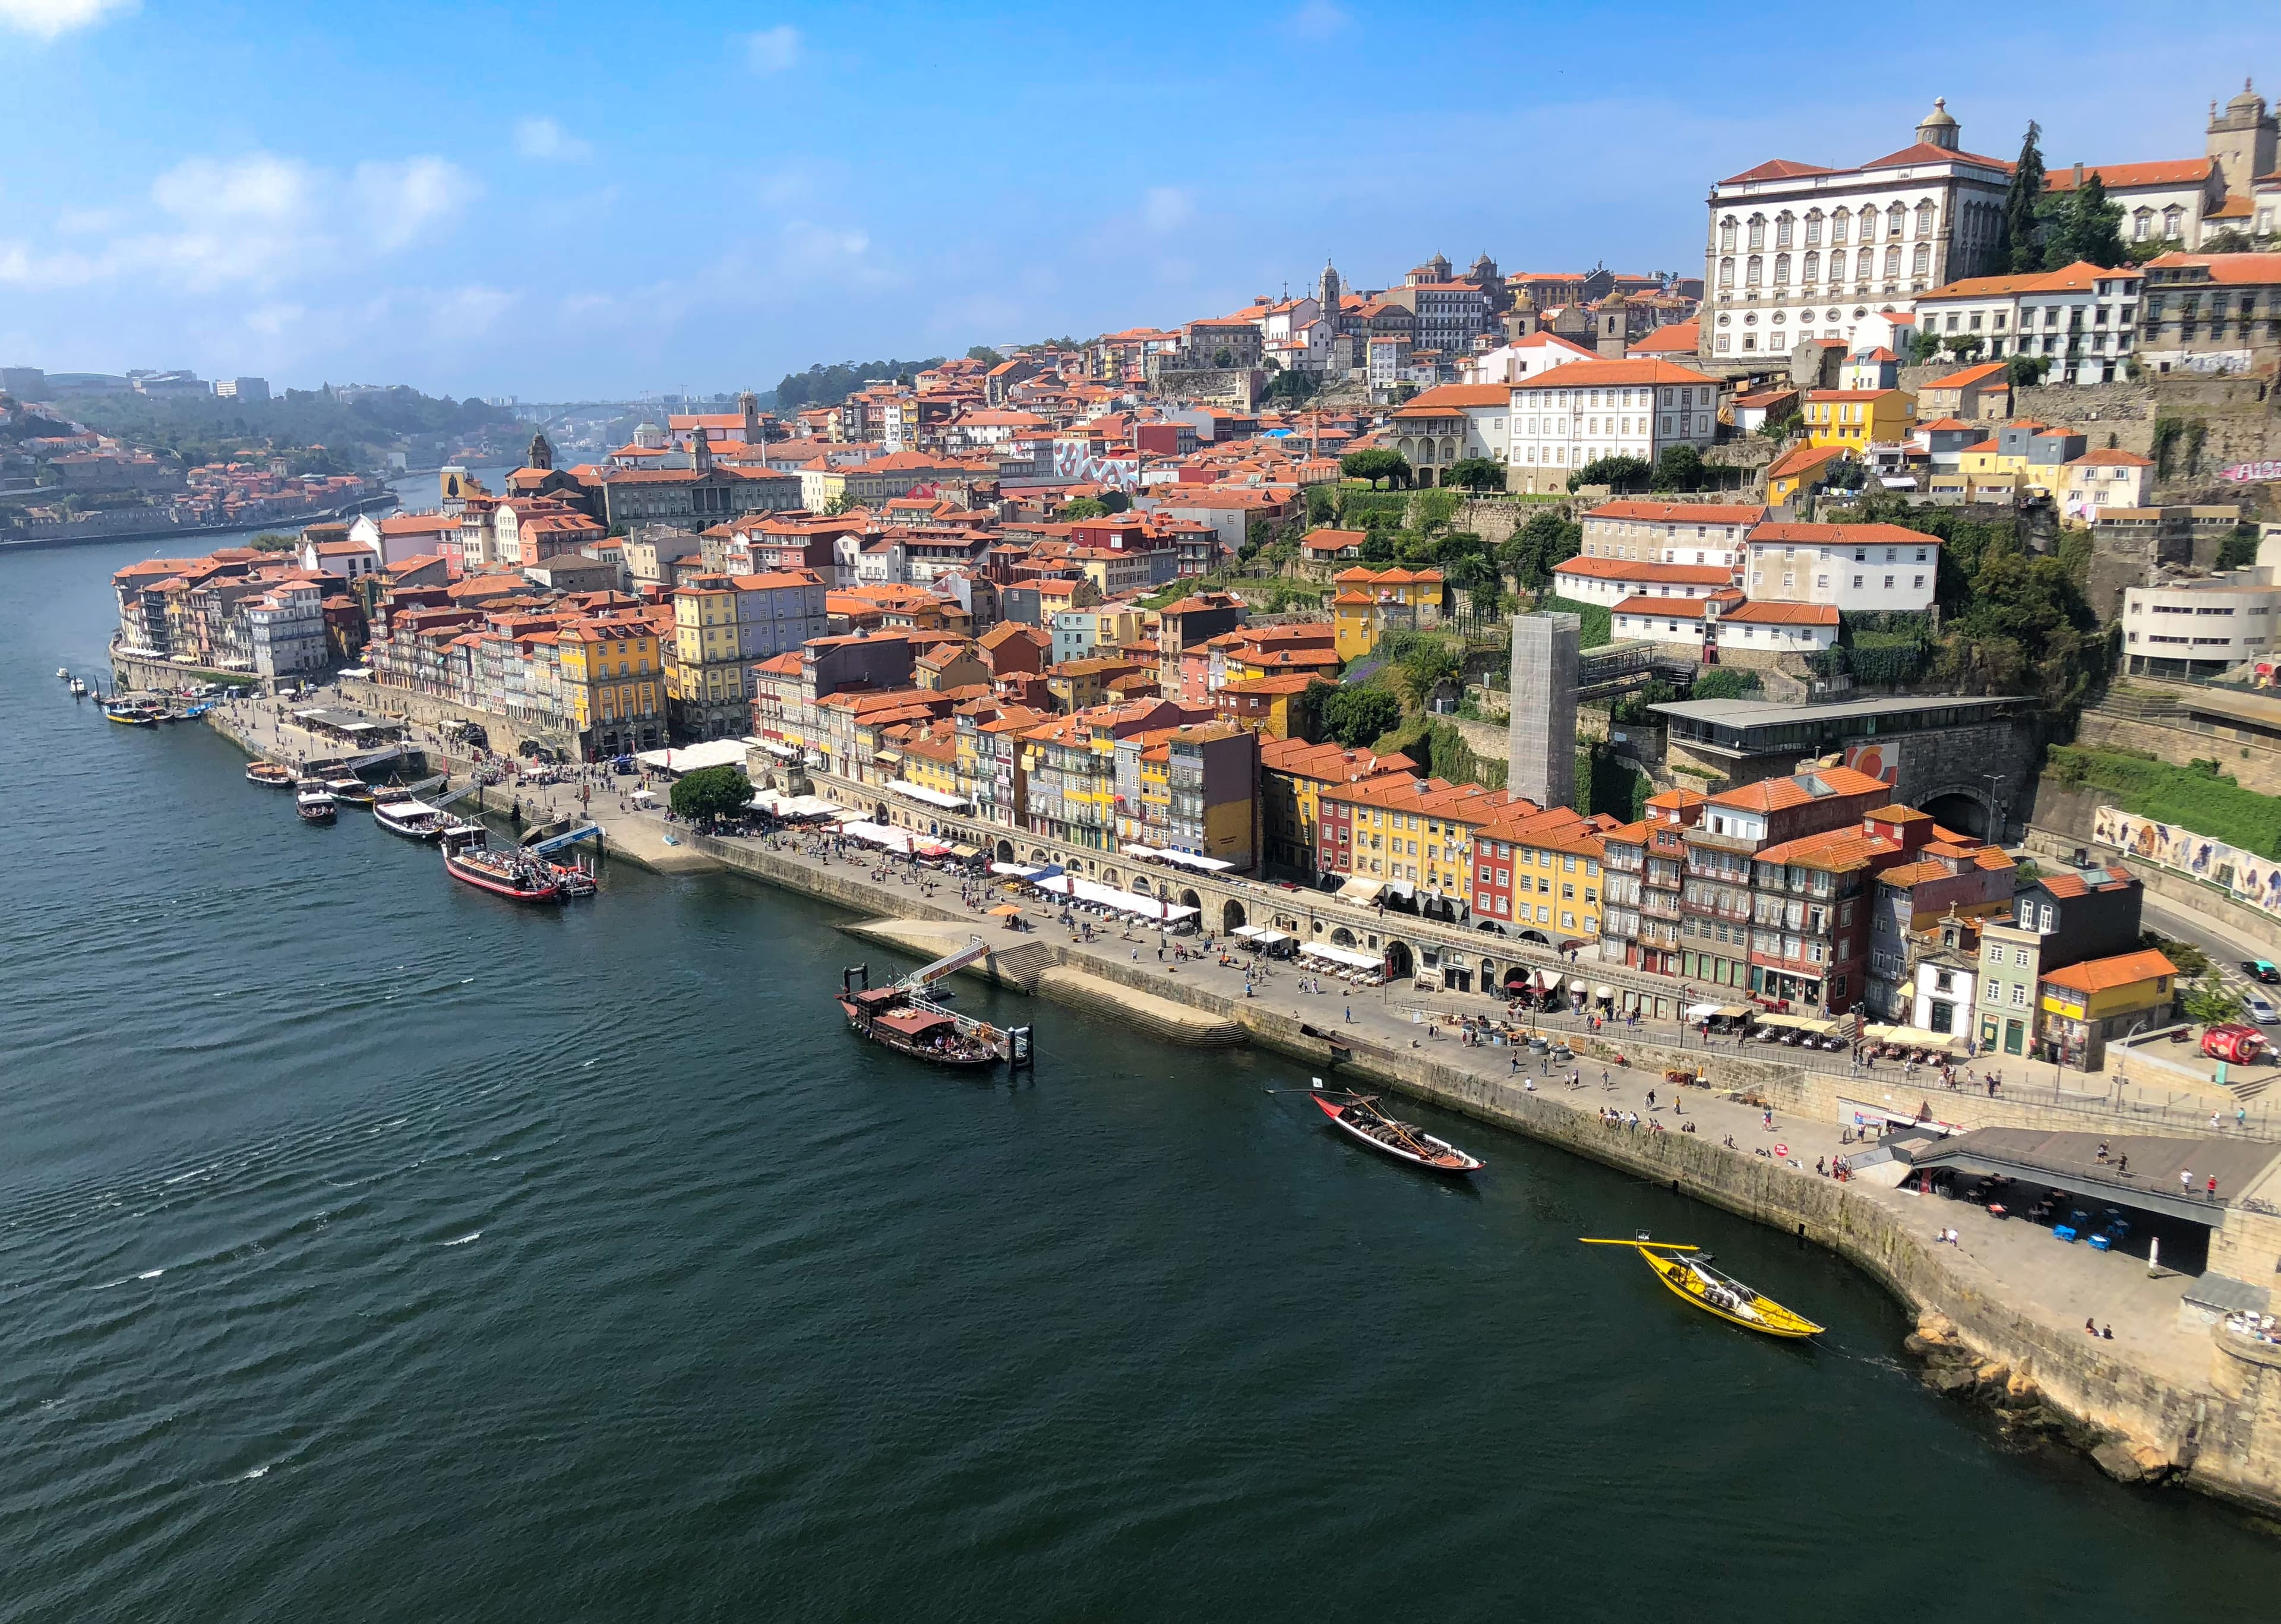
(2095, 976)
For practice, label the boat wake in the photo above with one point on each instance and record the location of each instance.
(475, 1234)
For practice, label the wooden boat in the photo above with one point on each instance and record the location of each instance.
(353, 789)
(271, 774)
(516, 875)
(898, 1018)
(134, 713)
(413, 819)
(1687, 1273)
(313, 803)
(1358, 1116)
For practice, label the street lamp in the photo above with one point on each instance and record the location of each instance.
(1995, 806)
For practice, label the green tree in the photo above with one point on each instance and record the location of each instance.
(1355, 715)
(711, 792)
(2226, 242)
(1679, 468)
(2022, 205)
(274, 541)
(1082, 507)
(1619, 473)
(1476, 474)
(838, 506)
(2083, 225)
(1222, 357)
(1924, 348)
(1322, 505)
(1780, 428)
(1545, 542)
(1390, 467)
(2026, 371)
(1424, 666)
(984, 353)
(1113, 502)
(2208, 1002)
(1963, 346)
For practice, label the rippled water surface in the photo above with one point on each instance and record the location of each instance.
(372, 1250)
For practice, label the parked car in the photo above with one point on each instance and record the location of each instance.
(2261, 1011)
(2261, 969)
(2240, 1045)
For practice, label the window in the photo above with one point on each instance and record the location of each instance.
(1727, 234)
(1752, 269)
(1758, 231)
(1812, 269)
(1924, 218)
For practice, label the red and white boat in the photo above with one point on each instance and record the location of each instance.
(1358, 1116)
(515, 874)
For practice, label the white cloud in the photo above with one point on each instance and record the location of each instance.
(1167, 208)
(272, 320)
(540, 137)
(772, 50)
(399, 201)
(257, 187)
(1318, 19)
(48, 19)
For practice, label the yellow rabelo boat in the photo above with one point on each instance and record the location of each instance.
(1689, 1275)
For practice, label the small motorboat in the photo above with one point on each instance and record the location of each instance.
(78, 689)
(352, 791)
(271, 774)
(313, 803)
(1687, 1273)
(62, 675)
(134, 713)
(1358, 1116)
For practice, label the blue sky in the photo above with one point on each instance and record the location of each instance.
(582, 200)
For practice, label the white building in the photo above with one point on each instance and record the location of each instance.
(2109, 477)
(344, 559)
(1610, 581)
(2179, 200)
(1853, 569)
(1671, 620)
(1798, 252)
(1569, 416)
(1779, 627)
(1523, 357)
(287, 628)
(2198, 628)
(2084, 318)
(1452, 421)
(1672, 532)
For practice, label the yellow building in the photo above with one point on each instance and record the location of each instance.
(1799, 471)
(1859, 418)
(1371, 602)
(705, 673)
(2085, 1005)
(613, 685)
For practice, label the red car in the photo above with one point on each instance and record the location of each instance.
(2240, 1045)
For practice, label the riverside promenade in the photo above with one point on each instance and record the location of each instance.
(2164, 1396)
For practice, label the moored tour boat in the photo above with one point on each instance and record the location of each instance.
(516, 875)
(898, 1018)
(1357, 1114)
(134, 713)
(1687, 1273)
(353, 789)
(413, 818)
(62, 675)
(271, 774)
(313, 803)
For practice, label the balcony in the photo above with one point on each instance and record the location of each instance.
(1658, 905)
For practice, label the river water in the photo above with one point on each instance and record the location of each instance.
(370, 1248)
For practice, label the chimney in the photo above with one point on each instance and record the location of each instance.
(2078, 174)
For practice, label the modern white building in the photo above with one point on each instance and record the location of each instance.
(2085, 320)
(1853, 569)
(1795, 251)
(1567, 417)
(2198, 628)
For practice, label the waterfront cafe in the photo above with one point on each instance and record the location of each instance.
(1179, 860)
(901, 842)
(1092, 896)
(349, 727)
(1273, 944)
(694, 758)
(1362, 968)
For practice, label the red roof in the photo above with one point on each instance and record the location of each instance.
(1681, 513)
(2095, 976)
(2161, 172)
(1760, 613)
(1624, 569)
(2226, 267)
(1777, 169)
(1599, 375)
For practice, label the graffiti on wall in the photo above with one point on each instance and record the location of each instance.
(2250, 878)
(1075, 459)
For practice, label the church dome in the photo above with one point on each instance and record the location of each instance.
(2248, 103)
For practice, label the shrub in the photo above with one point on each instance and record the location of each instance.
(2193, 797)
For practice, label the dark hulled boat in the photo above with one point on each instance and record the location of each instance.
(516, 875)
(1357, 1115)
(898, 1018)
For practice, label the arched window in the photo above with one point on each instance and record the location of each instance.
(1813, 268)
(1892, 264)
(1838, 224)
(1920, 261)
(1758, 231)
(2141, 224)
(1727, 272)
(1781, 272)
(1753, 269)
(1924, 218)
(1866, 266)
(1727, 234)
(2171, 216)
(1869, 221)
(1894, 217)
(1782, 222)
(1813, 228)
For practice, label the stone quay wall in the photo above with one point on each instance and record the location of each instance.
(2225, 1440)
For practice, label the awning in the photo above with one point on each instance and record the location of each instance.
(1577, 984)
(1914, 1037)
(928, 797)
(1603, 992)
(1017, 869)
(880, 835)
(783, 753)
(1820, 1029)
(1548, 980)
(695, 758)
(1137, 850)
(1702, 1012)
(1189, 860)
(1109, 896)
(1338, 956)
(1361, 890)
(778, 805)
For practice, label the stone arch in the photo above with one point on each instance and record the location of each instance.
(1958, 804)
(1518, 978)
(1108, 877)
(1341, 937)
(1038, 855)
(1005, 851)
(1399, 963)
(1189, 899)
(1538, 937)
(1141, 884)
(1231, 915)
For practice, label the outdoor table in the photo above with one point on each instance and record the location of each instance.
(2100, 1243)
(2063, 1232)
